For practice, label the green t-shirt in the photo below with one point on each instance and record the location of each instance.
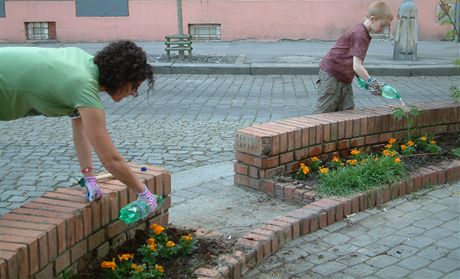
(47, 81)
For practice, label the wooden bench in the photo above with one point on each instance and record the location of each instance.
(180, 43)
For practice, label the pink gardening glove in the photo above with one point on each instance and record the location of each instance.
(93, 192)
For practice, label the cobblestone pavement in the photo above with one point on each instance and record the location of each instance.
(187, 122)
(417, 236)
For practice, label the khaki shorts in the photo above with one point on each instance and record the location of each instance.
(333, 95)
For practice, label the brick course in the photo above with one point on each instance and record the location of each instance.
(60, 230)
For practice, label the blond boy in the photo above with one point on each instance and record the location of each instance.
(345, 60)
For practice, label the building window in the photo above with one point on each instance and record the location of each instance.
(40, 30)
(102, 7)
(207, 32)
(2, 8)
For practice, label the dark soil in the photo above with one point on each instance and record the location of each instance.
(207, 251)
(446, 142)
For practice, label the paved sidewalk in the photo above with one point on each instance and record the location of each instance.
(417, 237)
(297, 57)
(188, 123)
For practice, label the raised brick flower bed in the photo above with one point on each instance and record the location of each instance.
(278, 147)
(60, 231)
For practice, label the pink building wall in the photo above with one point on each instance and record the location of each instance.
(151, 20)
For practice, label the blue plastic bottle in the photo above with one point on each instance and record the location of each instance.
(137, 210)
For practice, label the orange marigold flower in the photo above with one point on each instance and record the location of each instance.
(153, 247)
(125, 257)
(388, 146)
(106, 265)
(403, 147)
(335, 159)
(314, 159)
(187, 237)
(170, 244)
(151, 241)
(397, 160)
(324, 170)
(305, 170)
(423, 138)
(355, 152)
(410, 143)
(391, 140)
(433, 142)
(386, 152)
(137, 268)
(352, 162)
(159, 268)
(157, 229)
(342, 164)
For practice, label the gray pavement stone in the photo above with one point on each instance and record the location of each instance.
(329, 268)
(453, 275)
(382, 261)
(414, 262)
(425, 273)
(361, 270)
(433, 252)
(392, 272)
(445, 265)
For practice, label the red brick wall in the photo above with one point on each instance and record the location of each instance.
(264, 150)
(61, 231)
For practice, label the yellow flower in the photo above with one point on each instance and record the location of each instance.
(305, 170)
(423, 138)
(170, 244)
(159, 268)
(157, 229)
(397, 160)
(433, 142)
(391, 140)
(388, 146)
(137, 268)
(314, 159)
(151, 241)
(324, 170)
(342, 164)
(410, 143)
(302, 165)
(386, 152)
(153, 247)
(106, 264)
(352, 162)
(376, 158)
(125, 257)
(403, 147)
(187, 237)
(394, 153)
(355, 152)
(335, 159)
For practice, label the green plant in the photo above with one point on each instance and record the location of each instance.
(456, 151)
(427, 144)
(304, 171)
(447, 19)
(361, 177)
(455, 93)
(158, 247)
(408, 115)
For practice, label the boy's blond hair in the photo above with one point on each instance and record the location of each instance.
(380, 10)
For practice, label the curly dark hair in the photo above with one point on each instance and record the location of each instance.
(123, 62)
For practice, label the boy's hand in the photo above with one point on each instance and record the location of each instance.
(375, 86)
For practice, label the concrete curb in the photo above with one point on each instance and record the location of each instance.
(300, 69)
